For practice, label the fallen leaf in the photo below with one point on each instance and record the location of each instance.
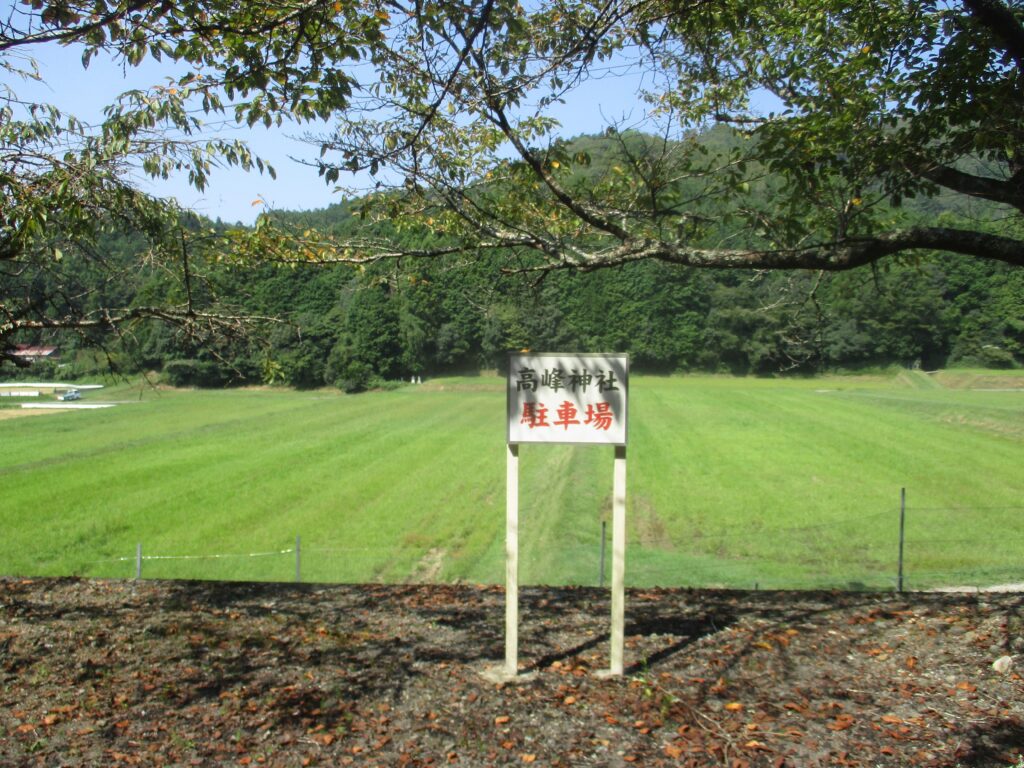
(501, 719)
(529, 758)
(841, 722)
(734, 706)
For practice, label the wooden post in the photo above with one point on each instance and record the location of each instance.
(618, 560)
(138, 561)
(903, 516)
(298, 559)
(512, 562)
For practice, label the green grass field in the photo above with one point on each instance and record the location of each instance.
(731, 482)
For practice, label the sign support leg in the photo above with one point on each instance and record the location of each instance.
(512, 562)
(618, 560)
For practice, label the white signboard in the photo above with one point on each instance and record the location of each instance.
(567, 398)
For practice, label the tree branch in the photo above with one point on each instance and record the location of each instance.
(63, 34)
(1003, 23)
(996, 190)
(830, 257)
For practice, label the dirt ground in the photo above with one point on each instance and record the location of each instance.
(17, 413)
(193, 673)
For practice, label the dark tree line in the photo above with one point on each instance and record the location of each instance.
(361, 327)
(357, 326)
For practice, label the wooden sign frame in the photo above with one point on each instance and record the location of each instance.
(566, 398)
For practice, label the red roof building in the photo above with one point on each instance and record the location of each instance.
(32, 354)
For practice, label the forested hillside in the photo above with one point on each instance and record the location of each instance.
(359, 327)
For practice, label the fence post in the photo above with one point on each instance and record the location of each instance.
(604, 543)
(903, 516)
(138, 561)
(298, 559)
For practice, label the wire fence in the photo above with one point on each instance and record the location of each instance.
(916, 548)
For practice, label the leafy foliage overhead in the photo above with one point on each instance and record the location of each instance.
(64, 183)
(876, 102)
(449, 105)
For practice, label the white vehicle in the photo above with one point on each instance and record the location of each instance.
(71, 394)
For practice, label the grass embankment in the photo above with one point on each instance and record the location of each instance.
(731, 482)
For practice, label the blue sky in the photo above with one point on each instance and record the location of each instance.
(231, 192)
(84, 92)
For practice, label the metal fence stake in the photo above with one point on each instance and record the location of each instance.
(298, 559)
(903, 516)
(138, 561)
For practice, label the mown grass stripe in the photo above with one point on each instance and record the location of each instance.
(730, 482)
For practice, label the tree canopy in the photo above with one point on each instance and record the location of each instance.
(872, 103)
(837, 115)
(64, 183)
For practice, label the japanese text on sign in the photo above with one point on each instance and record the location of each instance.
(567, 398)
